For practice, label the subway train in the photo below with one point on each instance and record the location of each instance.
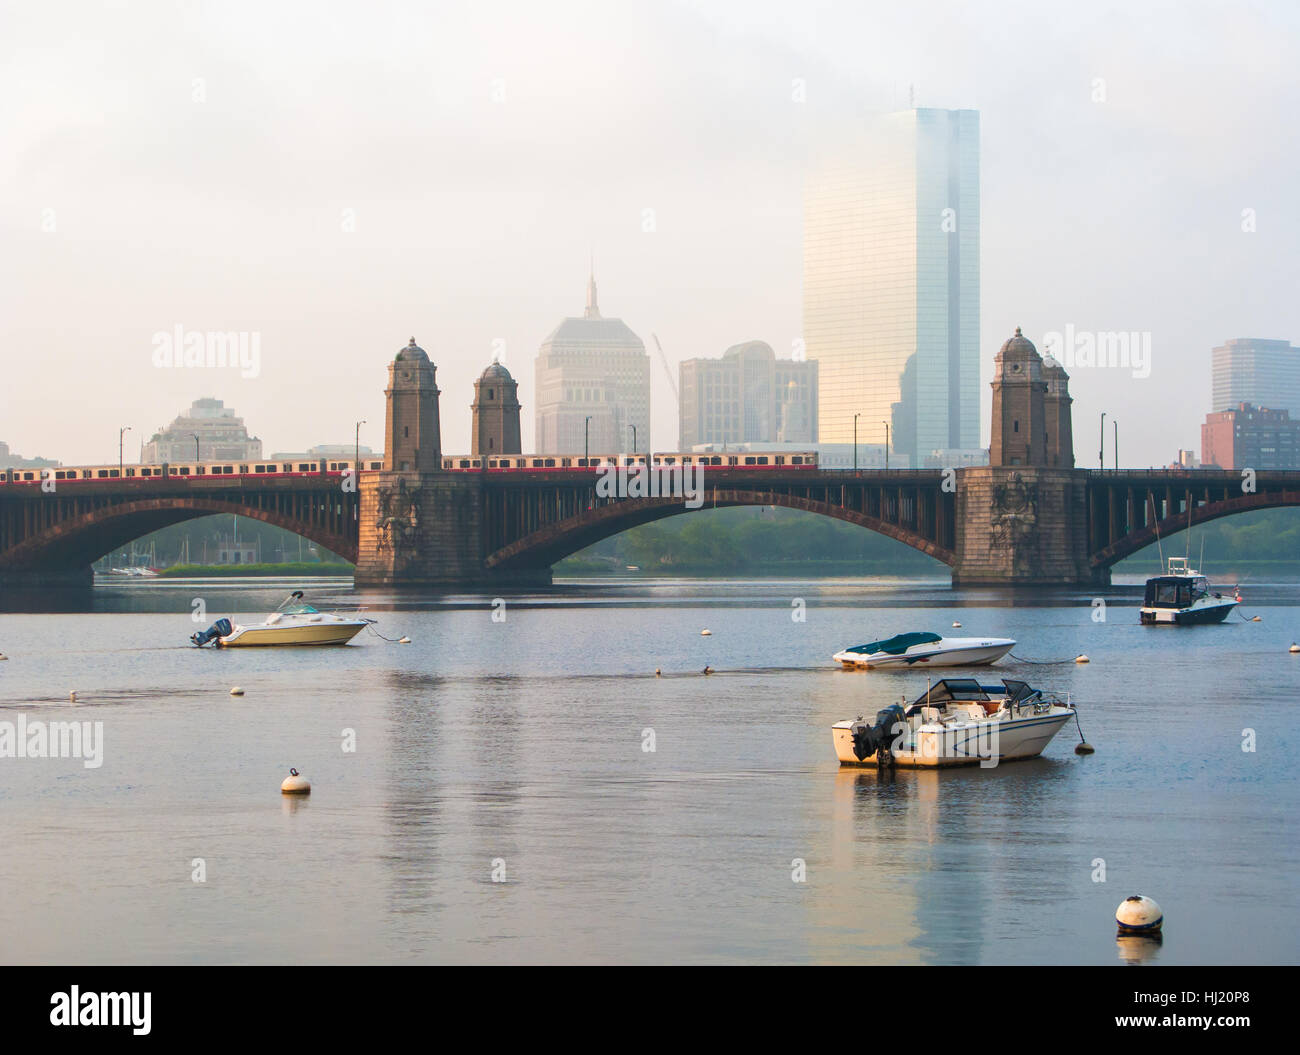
(500, 463)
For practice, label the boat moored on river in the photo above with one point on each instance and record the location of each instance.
(1184, 597)
(924, 649)
(956, 722)
(294, 623)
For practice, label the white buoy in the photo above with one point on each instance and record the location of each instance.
(403, 640)
(295, 784)
(706, 632)
(3, 657)
(1257, 619)
(73, 695)
(236, 691)
(956, 626)
(1139, 915)
(1082, 659)
(1294, 647)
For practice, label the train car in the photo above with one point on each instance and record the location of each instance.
(62, 474)
(536, 462)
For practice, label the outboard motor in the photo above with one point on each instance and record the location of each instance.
(877, 739)
(221, 628)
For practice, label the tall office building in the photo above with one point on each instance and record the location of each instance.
(1250, 437)
(592, 368)
(1263, 373)
(211, 427)
(891, 284)
(747, 396)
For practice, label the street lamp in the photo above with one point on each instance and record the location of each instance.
(197, 459)
(586, 442)
(1101, 454)
(1115, 462)
(855, 441)
(633, 428)
(356, 450)
(886, 424)
(120, 433)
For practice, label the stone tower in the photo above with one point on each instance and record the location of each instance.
(412, 438)
(1019, 408)
(496, 413)
(1056, 408)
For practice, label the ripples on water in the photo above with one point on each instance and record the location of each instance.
(519, 743)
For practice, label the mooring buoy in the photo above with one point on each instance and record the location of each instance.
(658, 673)
(956, 626)
(3, 657)
(403, 640)
(1082, 659)
(1294, 648)
(706, 632)
(1257, 619)
(707, 670)
(236, 691)
(1084, 748)
(1139, 915)
(294, 784)
(73, 695)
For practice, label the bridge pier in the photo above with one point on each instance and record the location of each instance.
(82, 578)
(1023, 526)
(425, 528)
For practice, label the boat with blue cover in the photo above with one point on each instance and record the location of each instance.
(924, 649)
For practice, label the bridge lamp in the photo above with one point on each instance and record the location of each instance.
(586, 441)
(855, 441)
(196, 447)
(120, 433)
(633, 428)
(1115, 461)
(356, 458)
(1101, 453)
(886, 424)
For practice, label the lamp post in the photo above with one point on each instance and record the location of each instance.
(356, 450)
(1101, 454)
(633, 428)
(1115, 461)
(196, 448)
(586, 442)
(120, 433)
(855, 441)
(886, 424)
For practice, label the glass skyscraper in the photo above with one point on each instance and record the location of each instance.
(1264, 373)
(891, 284)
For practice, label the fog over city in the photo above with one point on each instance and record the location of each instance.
(338, 178)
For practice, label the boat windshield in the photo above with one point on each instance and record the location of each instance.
(896, 646)
(954, 690)
(295, 605)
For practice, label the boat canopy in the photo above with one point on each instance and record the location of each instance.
(1175, 591)
(295, 605)
(968, 690)
(895, 646)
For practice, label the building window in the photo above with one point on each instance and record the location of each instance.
(1015, 426)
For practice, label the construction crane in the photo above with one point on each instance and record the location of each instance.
(672, 382)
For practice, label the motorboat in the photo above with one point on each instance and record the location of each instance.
(294, 623)
(1184, 597)
(956, 722)
(931, 650)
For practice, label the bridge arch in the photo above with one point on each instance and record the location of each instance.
(1142, 537)
(552, 543)
(82, 539)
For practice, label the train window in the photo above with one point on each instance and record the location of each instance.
(550, 463)
(464, 463)
(566, 462)
(376, 465)
(28, 476)
(537, 463)
(795, 460)
(243, 470)
(303, 467)
(780, 459)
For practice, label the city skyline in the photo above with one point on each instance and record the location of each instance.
(462, 247)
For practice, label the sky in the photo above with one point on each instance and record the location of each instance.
(338, 177)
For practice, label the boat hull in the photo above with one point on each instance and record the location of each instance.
(316, 634)
(964, 744)
(1200, 615)
(978, 653)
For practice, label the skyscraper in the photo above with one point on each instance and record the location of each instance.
(597, 368)
(747, 396)
(891, 284)
(1263, 373)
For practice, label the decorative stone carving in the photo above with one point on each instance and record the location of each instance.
(399, 517)
(1014, 522)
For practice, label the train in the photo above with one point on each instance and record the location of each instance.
(453, 463)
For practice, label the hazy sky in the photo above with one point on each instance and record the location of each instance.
(196, 163)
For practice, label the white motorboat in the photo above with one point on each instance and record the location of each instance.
(1184, 597)
(956, 722)
(923, 649)
(294, 623)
